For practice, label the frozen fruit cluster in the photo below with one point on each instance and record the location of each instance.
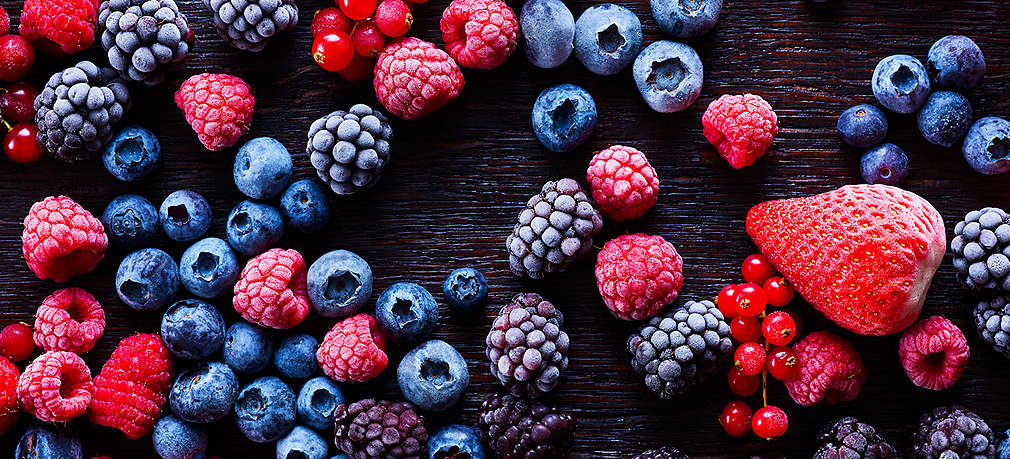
(347, 38)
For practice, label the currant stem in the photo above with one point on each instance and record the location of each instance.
(764, 372)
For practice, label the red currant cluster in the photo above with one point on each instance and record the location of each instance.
(763, 349)
(347, 39)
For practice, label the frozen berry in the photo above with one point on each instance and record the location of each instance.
(779, 328)
(769, 422)
(16, 342)
(71, 320)
(393, 18)
(945, 118)
(607, 38)
(21, 143)
(933, 353)
(750, 358)
(830, 370)
(17, 102)
(727, 301)
(736, 418)
(886, 164)
(783, 363)
(757, 269)
(5, 22)
(359, 68)
(59, 27)
(413, 78)
(357, 9)
(330, 19)
(955, 61)
(637, 274)
(862, 126)
(61, 239)
(56, 387)
(750, 300)
(367, 38)
(741, 128)
(333, 51)
(219, 108)
(564, 117)
(623, 182)
(900, 83)
(16, 57)
(353, 350)
(742, 384)
(479, 34)
(778, 291)
(745, 329)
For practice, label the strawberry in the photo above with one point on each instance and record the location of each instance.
(862, 255)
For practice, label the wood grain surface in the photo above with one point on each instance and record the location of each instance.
(458, 178)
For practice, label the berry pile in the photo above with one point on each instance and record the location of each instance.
(17, 99)
(347, 38)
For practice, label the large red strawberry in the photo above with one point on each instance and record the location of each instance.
(863, 255)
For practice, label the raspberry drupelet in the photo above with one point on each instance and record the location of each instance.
(933, 353)
(130, 389)
(623, 183)
(638, 275)
(56, 387)
(272, 290)
(479, 34)
(218, 106)
(69, 320)
(741, 128)
(61, 239)
(414, 78)
(354, 350)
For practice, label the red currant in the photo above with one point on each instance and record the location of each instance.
(769, 422)
(745, 329)
(750, 358)
(368, 39)
(783, 363)
(727, 301)
(393, 17)
(750, 300)
(16, 57)
(779, 291)
(359, 68)
(16, 342)
(757, 269)
(21, 143)
(17, 102)
(735, 418)
(741, 384)
(329, 19)
(333, 51)
(357, 9)
(779, 328)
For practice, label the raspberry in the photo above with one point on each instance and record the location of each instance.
(218, 106)
(479, 34)
(9, 410)
(130, 390)
(353, 350)
(414, 78)
(59, 27)
(16, 342)
(933, 353)
(69, 320)
(61, 239)
(56, 387)
(637, 275)
(830, 370)
(272, 291)
(5, 22)
(740, 127)
(623, 182)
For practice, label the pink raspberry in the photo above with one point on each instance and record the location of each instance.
(933, 353)
(9, 409)
(623, 182)
(61, 239)
(130, 390)
(271, 291)
(414, 78)
(740, 127)
(638, 275)
(353, 350)
(69, 320)
(829, 370)
(59, 27)
(218, 106)
(56, 387)
(479, 34)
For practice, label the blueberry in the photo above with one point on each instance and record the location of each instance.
(204, 393)
(607, 38)
(563, 117)
(304, 207)
(945, 118)
(1003, 450)
(885, 163)
(339, 284)
(147, 279)
(262, 168)
(955, 61)
(433, 376)
(669, 76)
(900, 83)
(302, 443)
(686, 18)
(130, 221)
(133, 154)
(406, 312)
(192, 329)
(265, 409)
(185, 215)
(549, 30)
(465, 290)
(455, 440)
(254, 228)
(209, 268)
(247, 348)
(295, 357)
(177, 439)
(44, 442)
(987, 145)
(862, 126)
(317, 400)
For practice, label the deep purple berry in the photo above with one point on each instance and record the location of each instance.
(862, 126)
(886, 164)
(955, 61)
(987, 145)
(945, 118)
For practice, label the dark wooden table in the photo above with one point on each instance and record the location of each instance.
(458, 178)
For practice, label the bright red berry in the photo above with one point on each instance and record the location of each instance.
(796, 320)
(17, 102)
(359, 68)
(727, 301)
(769, 422)
(779, 291)
(5, 22)
(330, 19)
(16, 57)
(368, 39)
(750, 358)
(741, 384)
(757, 269)
(736, 418)
(333, 51)
(779, 328)
(393, 17)
(750, 300)
(357, 9)
(745, 329)
(16, 342)
(21, 143)
(783, 363)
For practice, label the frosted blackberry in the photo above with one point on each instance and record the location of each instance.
(517, 428)
(953, 432)
(380, 428)
(78, 107)
(249, 24)
(526, 346)
(144, 38)
(350, 148)
(849, 438)
(666, 452)
(992, 319)
(681, 348)
(554, 230)
(981, 248)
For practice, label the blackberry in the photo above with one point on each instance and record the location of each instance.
(380, 428)
(517, 428)
(680, 349)
(666, 452)
(554, 230)
(77, 109)
(953, 432)
(350, 148)
(992, 319)
(249, 24)
(144, 38)
(848, 438)
(981, 247)
(526, 346)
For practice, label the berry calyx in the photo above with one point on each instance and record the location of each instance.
(750, 300)
(368, 39)
(745, 329)
(783, 363)
(329, 19)
(16, 342)
(333, 51)
(359, 68)
(393, 18)
(17, 102)
(16, 57)
(769, 422)
(726, 301)
(741, 384)
(21, 143)
(779, 291)
(757, 269)
(357, 9)
(779, 328)
(750, 358)
(736, 418)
